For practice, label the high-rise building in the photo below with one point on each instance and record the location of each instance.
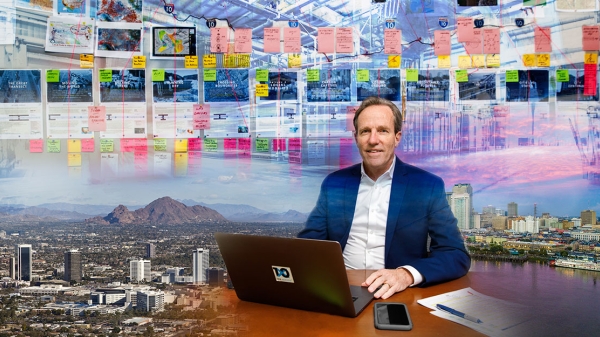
(200, 266)
(13, 268)
(24, 258)
(216, 277)
(588, 217)
(461, 204)
(150, 250)
(72, 266)
(513, 209)
(150, 301)
(139, 270)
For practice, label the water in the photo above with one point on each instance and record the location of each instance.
(565, 302)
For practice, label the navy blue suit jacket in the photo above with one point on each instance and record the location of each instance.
(418, 209)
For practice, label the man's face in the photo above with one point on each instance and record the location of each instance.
(376, 140)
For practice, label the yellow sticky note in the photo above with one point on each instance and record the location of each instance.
(181, 164)
(479, 61)
(294, 60)
(243, 60)
(529, 60)
(493, 60)
(209, 61)
(464, 61)
(160, 144)
(262, 90)
(394, 61)
(591, 58)
(444, 61)
(181, 145)
(543, 60)
(86, 61)
(191, 61)
(74, 145)
(139, 61)
(229, 61)
(74, 159)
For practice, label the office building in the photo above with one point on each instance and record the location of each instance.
(150, 250)
(588, 217)
(72, 266)
(12, 268)
(200, 265)
(513, 209)
(139, 270)
(150, 301)
(461, 204)
(109, 296)
(500, 223)
(24, 258)
(216, 277)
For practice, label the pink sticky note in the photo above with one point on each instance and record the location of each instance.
(474, 46)
(543, 40)
(219, 38)
(344, 40)
(350, 112)
(271, 40)
(194, 161)
(36, 145)
(291, 40)
(140, 160)
(442, 42)
(242, 40)
(97, 118)
(194, 144)
(201, 119)
(392, 39)
(230, 144)
(590, 38)
(295, 157)
(244, 144)
(295, 144)
(326, 40)
(465, 29)
(140, 145)
(346, 146)
(279, 144)
(491, 41)
(590, 79)
(87, 145)
(127, 145)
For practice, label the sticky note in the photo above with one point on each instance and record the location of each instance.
(362, 75)
(105, 75)
(160, 144)
(590, 58)
(493, 60)
(262, 145)
(444, 61)
(181, 145)
(210, 144)
(86, 61)
(158, 75)
(87, 145)
(190, 61)
(107, 145)
(74, 145)
(462, 76)
(543, 60)
(464, 61)
(529, 60)
(294, 60)
(412, 75)
(313, 75)
(74, 159)
(262, 75)
(394, 61)
(512, 76)
(52, 75)
(210, 75)
(243, 60)
(36, 145)
(479, 61)
(562, 75)
(209, 61)
(53, 146)
(139, 61)
(262, 90)
(442, 44)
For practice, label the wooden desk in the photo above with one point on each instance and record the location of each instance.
(266, 320)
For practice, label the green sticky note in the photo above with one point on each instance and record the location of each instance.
(210, 144)
(105, 75)
(158, 75)
(210, 75)
(313, 75)
(53, 146)
(362, 75)
(462, 76)
(262, 75)
(412, 75)
(52, 75)
(107, 145)
(160, 144)
(512, 76)
(562, 75)
(262, 145)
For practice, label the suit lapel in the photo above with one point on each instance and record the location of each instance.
(399, 183)
(350, 196)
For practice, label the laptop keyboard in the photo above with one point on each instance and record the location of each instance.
(354, 298)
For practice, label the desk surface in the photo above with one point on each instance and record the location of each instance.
(266, 320)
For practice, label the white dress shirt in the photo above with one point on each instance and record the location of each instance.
(365, 248)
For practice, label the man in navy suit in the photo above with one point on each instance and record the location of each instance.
(383, 211)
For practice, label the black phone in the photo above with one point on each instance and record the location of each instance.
(391, 316)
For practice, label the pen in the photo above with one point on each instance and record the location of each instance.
(458, 313)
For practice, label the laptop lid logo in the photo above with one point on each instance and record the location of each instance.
(283, 274)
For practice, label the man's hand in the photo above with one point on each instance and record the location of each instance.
(391, 281)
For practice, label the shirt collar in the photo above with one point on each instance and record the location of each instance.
(389, 172)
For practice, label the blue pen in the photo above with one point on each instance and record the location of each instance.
(458, 313)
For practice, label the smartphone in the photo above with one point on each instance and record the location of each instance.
(392, 316)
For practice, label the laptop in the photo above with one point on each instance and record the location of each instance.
(302, 274)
